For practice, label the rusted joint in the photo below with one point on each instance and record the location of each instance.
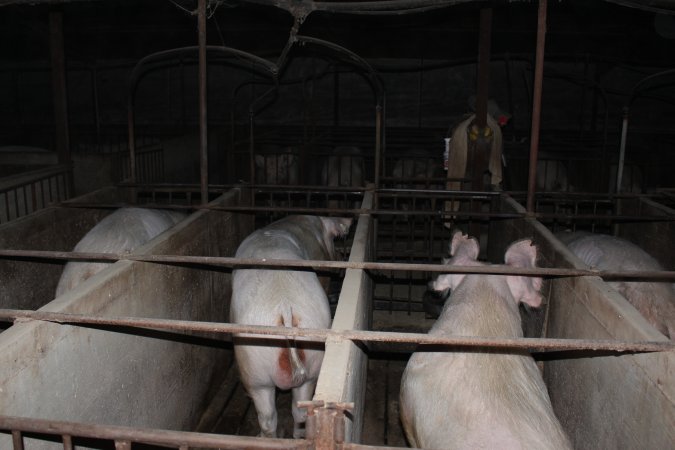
(310, 424)
(339, 419)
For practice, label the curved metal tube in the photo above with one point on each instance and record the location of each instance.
(371, 7)
(635, 93)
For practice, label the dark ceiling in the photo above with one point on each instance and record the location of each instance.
(99, 31)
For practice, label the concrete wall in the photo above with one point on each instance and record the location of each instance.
(129, 377)
(603, 401)
(56, 229)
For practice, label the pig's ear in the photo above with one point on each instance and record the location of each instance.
(444, 282)
(464, 247)
(524, 289)
(260, 161)
(336, 226)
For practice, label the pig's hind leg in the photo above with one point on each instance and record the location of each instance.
(264, 399)
(301, 393)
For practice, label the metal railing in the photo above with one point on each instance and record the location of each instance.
(23, 194)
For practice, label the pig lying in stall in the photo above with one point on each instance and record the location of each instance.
(476, 398)
(654, 300)
(122, 231)
(288, 298)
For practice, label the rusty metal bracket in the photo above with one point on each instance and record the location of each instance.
(325, 425)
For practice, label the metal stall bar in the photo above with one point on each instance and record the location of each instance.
(59, 89)
(319, 264)
(120, 435)
(635, 92)
(203, 124)
(536, 104)
(332, 335)
(376, 84)
(177, 56)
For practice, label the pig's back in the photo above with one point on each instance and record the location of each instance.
(607, 252)
(122, 231)
(459, 397)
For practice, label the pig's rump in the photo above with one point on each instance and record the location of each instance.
(122, 231)
(266, 361)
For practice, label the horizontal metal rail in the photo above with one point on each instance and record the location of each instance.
(165, 438)
(382, 212)
(222, 261)
(320, 335)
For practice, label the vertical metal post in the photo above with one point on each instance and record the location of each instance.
(483, 76)
(622, 150)
(536, 104)
(59, 89)
(203, 144)
(17, 439)
(378, 151)
(97, 112)
(420, 81)
(67, 442)
(582, 105)
(336, 97)
(509, 85)
(132, 137)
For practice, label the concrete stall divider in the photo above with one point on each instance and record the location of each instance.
(133, 377)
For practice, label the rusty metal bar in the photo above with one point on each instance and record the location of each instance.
(165, 438)
(235, 263)
(122, 445)
(68, 443)
(355, 446)
(59, 89)
(320, 335)
(17, 440)
(378, 151)
(203, 149)
(483, 73)
(536, 104)
(357, 211)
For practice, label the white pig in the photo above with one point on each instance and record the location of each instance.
(345, 167)
(279, 168)
(654, 300)
(415, 172)
(282, 298)
(122, 231)
(552, 176)
(478, 399)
